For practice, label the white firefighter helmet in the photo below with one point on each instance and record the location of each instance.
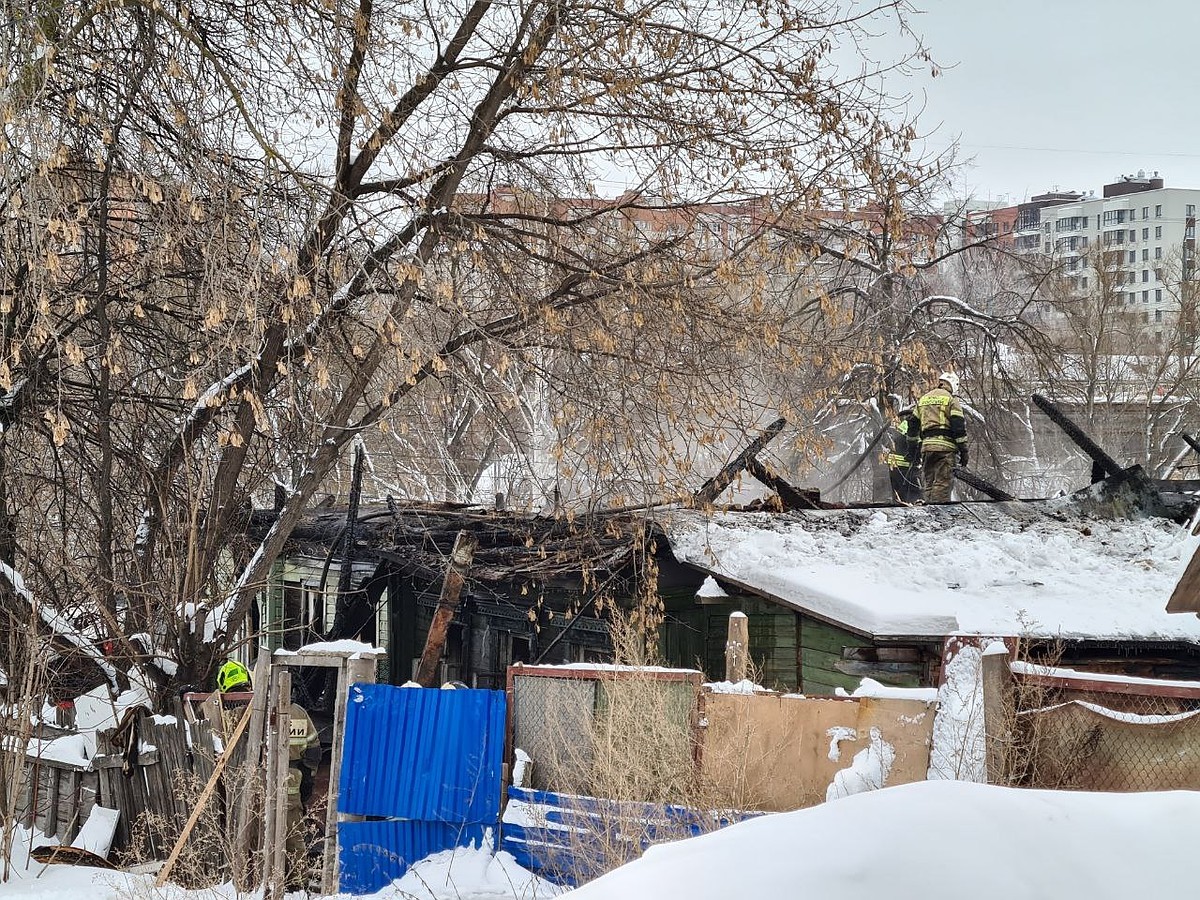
(950, 380)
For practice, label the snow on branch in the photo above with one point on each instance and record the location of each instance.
(58, 624)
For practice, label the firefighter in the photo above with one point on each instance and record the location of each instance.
(943, 434)
(904, 459)
(304, 755)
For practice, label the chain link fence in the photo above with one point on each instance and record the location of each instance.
(1069, 737)
(559, 712)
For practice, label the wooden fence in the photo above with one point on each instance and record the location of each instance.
(140, 770)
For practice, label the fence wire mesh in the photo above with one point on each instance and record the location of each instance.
(1073, 740)
(548, 712)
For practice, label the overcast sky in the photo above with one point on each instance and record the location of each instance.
(1066, 93)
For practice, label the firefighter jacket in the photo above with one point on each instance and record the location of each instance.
(905, 441)
(943, 428)
(303, 745)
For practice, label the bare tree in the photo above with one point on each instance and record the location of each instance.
(235, 238)
(907, 298)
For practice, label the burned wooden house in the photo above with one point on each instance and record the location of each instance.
(833, 593)
(536, 589)
(837, 594)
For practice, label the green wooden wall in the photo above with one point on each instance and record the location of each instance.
(695, 636)
(821, 647)
(790, 651)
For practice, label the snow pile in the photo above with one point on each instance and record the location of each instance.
(867, 772)
(1033, 575)
(959, 751)
(464, 874)
(937, 841)
(95, 711)
(869, 687)
(469, 873)
(710, 588)
(745, 686)
(69, 750)
(345, 647)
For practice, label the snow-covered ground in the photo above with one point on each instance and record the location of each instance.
(937, 840)
(468, 873)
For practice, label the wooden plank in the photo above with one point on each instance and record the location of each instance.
(1186, 595)
(356, 671)
(117, 760)
(461, 555)
(999, 714)
(170, 741)
(245, 819)
(882, 654)
(205, 795)
(878, 670)
(51, 826)
(329, 660)
(70, 816)
(276, 852)
(821, 636)
(713, 488)
(791, 497)
(737, 647)
(813, 686)
(271, 784)
(1082, 440)
(214, 713)
(1137, 689)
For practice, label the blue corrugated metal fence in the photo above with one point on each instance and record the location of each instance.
(547, 832)
(427, 765)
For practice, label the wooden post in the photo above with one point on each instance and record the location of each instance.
(737, 647)
(998, 710)
(456, 574)
(275, 853)
(352, 671)
(244, 818)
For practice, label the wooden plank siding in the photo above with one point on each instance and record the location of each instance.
(790, 651)
(821, 648)
(694, 637)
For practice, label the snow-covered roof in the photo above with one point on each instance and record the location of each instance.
(988, 569)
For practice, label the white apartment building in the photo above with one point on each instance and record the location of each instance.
(1150, 226)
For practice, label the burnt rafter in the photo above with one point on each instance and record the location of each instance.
(981, 484)
(747, 460)
(1101, 460)
(511, 548)
(712, 489)
(791, 497)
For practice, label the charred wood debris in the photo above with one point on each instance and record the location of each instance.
(543, 551)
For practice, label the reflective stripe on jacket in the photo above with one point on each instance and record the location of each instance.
(943, 428)
(905, 439)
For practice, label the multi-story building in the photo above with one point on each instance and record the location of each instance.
(1029, 225)
(1146, 233)
(996, 224)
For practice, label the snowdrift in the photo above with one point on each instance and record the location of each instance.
(933, 840)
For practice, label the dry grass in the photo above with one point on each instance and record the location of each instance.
(638, 748)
